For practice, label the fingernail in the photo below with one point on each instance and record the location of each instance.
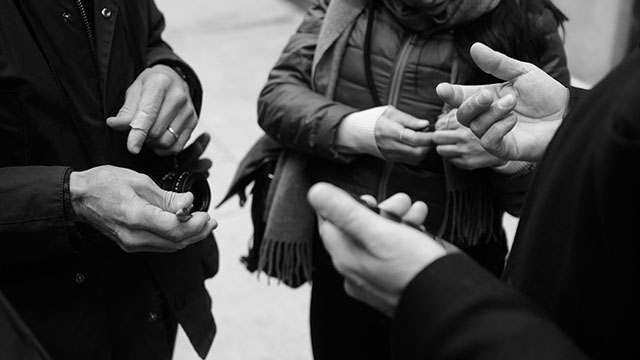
(507, 101)
(135, 149)
(484, 98)
(183, 215)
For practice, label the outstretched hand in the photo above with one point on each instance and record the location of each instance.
(514, 120)
(378, 257)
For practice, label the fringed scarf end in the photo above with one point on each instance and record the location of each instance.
(289, 262)
(469, 218)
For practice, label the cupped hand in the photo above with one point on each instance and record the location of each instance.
(130, 209)
(157, 112)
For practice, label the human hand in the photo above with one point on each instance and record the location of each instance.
(378, 257)
(157, 111)
(190, 158)
(399, 137)
(130, 209)
(460, 146)
(514, 120)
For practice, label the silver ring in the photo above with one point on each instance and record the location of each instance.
(173, 132)
(402, 135)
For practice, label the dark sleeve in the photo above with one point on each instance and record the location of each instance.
(36, 218)
(454, 309)
(288, 109)
(575, 94)
(159, 52)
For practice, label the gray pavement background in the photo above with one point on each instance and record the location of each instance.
(232, 45)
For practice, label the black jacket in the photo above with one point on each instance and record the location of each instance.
(82, 296)
(572, 275)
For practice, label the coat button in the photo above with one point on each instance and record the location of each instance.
(106, 13)
(66, 16)
(152, 317)
(80, 278)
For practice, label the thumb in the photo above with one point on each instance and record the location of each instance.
(166, 200)
(340, 209)
(455, 95)
(411, 122)
(497, 64)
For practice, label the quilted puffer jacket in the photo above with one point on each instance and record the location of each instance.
(320, 78)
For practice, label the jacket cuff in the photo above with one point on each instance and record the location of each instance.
(438, 293)
(69, 215)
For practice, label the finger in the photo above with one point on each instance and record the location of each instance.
(475, 105)
(123, 119)
(167, 225)
(169, 201)
(449, 151)
(416, 214)
(369, 199)
(496, 112)
(147, 110)
(411, 122)
(493, 137)
(446, 137)
(398, 204)
(192, 153)
(339, 208)
(415, 138)
(207, 229)
(344, 252)
(168, 115)
(455, 95)
(178, 144)
(497, 64)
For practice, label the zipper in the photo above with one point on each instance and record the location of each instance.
(394, 92)
(87, 29)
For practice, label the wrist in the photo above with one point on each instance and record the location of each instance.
(77, 193)
(356, 133)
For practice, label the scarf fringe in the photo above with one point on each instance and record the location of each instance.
(288, 262)
(469, 218)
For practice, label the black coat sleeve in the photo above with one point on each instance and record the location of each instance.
(35, 219)
(454, 309)
(159, 52)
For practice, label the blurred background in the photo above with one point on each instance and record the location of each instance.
(232, 45)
